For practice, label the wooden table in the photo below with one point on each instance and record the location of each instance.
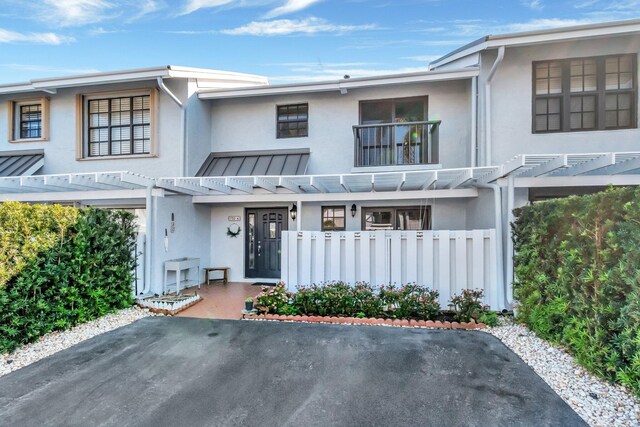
(225, 277)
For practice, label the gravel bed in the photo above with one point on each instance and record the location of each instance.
(595, 400)
(60, 340)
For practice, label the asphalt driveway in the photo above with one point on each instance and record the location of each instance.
(203, 372)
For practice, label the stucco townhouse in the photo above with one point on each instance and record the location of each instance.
(388, 179)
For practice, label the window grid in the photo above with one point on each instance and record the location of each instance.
(31, 121)
(592, 94)
(119, 126)
(333, 218)
(292, 120)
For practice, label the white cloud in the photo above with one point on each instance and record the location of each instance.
(283, 27)
(533, 4)
(546, 23)
(7, 36)
(194, 5)
(289, 7)
(66, 13)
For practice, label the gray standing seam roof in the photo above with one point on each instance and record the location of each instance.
(17, 163)
(255, 163)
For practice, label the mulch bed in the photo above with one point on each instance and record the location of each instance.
(406, 323)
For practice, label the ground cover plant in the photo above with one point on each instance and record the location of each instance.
(60, 266)
(362, 300)
(577, 278)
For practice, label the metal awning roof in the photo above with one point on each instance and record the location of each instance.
(565, 165)
(255, 163)
(20, 163)
(74, 182)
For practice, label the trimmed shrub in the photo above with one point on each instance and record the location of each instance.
(81, 270)
(578, 278)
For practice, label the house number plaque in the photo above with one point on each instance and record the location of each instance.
(234, 218)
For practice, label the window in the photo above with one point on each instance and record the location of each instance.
(584, 94)
(293, 120)
(400, 218)
(401, 110)
(333, 218)
(29, 120)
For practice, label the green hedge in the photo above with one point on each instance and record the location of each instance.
(578, 278)
(80, 271)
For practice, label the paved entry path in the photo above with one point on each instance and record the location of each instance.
(204, 372)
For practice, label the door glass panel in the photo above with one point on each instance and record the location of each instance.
(410, 219)
(272, 230)
(378, 219)
(251, 222)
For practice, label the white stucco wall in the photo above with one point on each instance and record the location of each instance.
(447, 214)
(191, 237)
(60, 150)
(250, 123)
(512, 102)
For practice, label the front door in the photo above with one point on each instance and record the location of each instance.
(264, 240)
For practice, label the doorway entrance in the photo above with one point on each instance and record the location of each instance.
(264, 242)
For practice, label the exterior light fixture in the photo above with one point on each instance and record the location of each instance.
(354, 209)
(293, 212)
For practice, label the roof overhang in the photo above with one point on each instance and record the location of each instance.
(342, 85)
(50, 85)
(597, 30)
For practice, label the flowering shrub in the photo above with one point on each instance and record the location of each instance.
(272, 299)
(468, 305)
(359, 300)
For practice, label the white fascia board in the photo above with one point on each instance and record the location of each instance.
(356, 83)
(72, 196)
(547, 36)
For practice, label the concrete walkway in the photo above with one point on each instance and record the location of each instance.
(203, 372)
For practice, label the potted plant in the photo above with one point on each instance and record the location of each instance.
(248, 304)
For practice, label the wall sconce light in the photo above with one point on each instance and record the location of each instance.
(293, 212)
(354, 209)
(173, 223)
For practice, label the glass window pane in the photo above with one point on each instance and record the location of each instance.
(590, 83)
(611, 102)
(541, 123)
(554, 122)
(542, 71)
(611, 119)
(624, 101)
(624, 118)
(555, 85)
(576, 104)
(588, 103)
(378, 220)
(611, 65)
(554, 106)
(541, 106)
(376, 112)
(611, 81)
(626, 81)
(542, 87)
(576, 121)
(588, 120)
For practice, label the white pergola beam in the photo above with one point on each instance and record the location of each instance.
(263, 183)
(212, 184)
(338, 197)
(430, 181)
(344, 185)
(621, 167)
(601, 161)
(313, 181)
(547, 167)
(464, 177)
(289, 185)
(238, 185)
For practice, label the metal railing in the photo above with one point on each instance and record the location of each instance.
(387, 144)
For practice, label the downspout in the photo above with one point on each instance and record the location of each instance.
(183, 124)
(487, 101)
(474, 121)
(497, 207)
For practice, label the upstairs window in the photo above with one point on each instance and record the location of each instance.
(29, 120)
(584, 94)
(117, 125)
(293, 120)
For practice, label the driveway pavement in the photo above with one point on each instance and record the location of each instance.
(202, 372)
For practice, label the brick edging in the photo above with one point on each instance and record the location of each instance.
(406, 323)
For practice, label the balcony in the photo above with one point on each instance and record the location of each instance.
(394, 144)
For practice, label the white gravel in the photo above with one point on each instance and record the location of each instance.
(595, 400)
(57, 341)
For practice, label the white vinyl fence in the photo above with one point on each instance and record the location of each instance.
(447, 261)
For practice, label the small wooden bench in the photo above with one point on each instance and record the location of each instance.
(225, 276)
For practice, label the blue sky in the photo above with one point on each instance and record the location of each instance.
(286, 40)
